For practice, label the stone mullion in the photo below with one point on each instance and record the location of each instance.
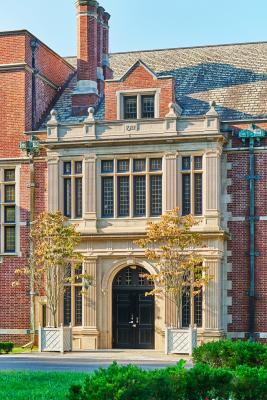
(171, 181)
(53, 184)
(90, 188)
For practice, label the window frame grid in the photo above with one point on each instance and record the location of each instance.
(73, 285)
(192, 172)
(73, 176)
(4, 225)
(131, 174)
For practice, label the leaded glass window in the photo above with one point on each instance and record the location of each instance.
(130, 107)
(192, 185)
(148, 106)
(140, 196)
(73, 189)
(123, 196)
(8, 210)
(107, 197)
(155, 195)
(73, 296)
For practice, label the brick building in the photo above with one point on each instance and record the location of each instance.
(126, 137)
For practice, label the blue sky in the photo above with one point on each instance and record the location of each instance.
(143, 24)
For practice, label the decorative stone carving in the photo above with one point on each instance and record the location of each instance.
(91, 116)
(212, 112)
(175, 111)
(53, 119)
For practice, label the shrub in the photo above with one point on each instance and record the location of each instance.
(6, 347)
(230, 354)
(174, 383)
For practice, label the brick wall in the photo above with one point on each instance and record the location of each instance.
(15, 119)
(239, 230)
(137, 79)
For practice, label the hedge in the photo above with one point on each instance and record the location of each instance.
(231, 354)
(173, 383)
(6, 347)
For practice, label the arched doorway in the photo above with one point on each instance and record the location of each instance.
(133, 313)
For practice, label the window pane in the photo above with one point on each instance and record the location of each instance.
(123, 165)
(9, 193)
(186, 310)
(10, 215)
(67, 305)
(186, 194)
(123, 196)
(156, 195)
(198, 162)
(139, 165)
(148, 107)
(130, 107)
(107, 166)
(78, 197)
(78, 306)
(139, 196)
(155, 164)
(78, 272)
(9, 175)
(67, 197)
(107, 197)
(67, 168)
(198, 194)
(10, 239)
(186, 163)
(78, 167)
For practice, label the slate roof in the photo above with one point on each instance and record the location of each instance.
(235, 76)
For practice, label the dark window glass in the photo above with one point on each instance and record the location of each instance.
(130, 107)
(78, 306)
(155, 164)
(107, 197)
(9, 175)
(186, 309)
(123, 196)
(186, 163)
(67, 168)
(78, 197)
(107, 166)
(9, 193)
(155, 195)
(67, 305)
(78, 273)
(198, 194)
(10, 239)
(78, 167)
(67, 197)
(123, 165)
(148, 107)
(186, 194)
(10, 215)
(198, 162)
(139, 165)
(68, 271)
(139, 196)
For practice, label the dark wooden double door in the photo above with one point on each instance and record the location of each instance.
(133, 315)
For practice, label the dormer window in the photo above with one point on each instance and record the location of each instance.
(138, 105)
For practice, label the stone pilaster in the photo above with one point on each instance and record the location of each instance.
(90, 297)
(89, 189)
(213, 296)
(171, 175)
(53, 184)
(212, 188)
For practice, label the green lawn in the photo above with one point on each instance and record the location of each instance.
(17, 385)
(19, 350)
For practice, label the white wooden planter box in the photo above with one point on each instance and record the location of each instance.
(180, 341)
(55, 339)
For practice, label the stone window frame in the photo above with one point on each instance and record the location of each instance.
(73, 176)
(16, 204)
(192, 172)
(121, 94)
(131, 175)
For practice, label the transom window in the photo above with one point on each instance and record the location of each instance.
(192, 185)
(73, 189)
(131, 187)
(139, 106)
(73, 298)
(8, 210)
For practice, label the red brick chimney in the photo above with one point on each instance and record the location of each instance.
(92, 41)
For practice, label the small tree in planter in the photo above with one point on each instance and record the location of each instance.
(172, 246)
(54, 243)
